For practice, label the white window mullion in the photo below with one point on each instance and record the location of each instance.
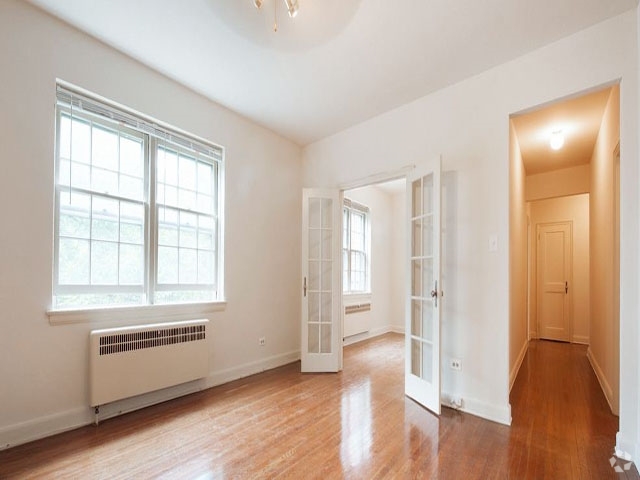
(151, 233)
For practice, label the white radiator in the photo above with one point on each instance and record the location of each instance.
(357, 318)
(129, 361)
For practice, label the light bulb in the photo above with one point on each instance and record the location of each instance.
(292, 7)
(258, 3)
(557, 140)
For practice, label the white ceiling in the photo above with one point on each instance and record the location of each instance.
(339, 62)
(579, 118)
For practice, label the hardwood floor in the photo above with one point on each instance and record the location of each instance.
(355, 424)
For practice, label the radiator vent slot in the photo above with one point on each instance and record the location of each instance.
(126, 342)
(360, 307)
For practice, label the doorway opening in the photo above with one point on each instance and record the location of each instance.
(564, 230)
(373, 260)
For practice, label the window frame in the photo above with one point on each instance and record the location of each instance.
(350, 208)
(154, 135)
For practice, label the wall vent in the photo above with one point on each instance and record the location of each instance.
(126, 342)
(360, 307)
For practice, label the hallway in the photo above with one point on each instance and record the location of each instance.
(562, 426)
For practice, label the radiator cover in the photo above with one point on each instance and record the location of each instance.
(130, 361)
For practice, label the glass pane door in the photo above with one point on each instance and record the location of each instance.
(422, 376)
(321, 264)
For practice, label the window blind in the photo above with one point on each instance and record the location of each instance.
(84, 103)
(348, 203)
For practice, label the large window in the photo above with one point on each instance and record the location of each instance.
(137, 209)
(356, 248)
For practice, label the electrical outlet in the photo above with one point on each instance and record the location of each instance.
(262, 341)
(456, 364)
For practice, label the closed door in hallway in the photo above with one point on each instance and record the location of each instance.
(554, 271)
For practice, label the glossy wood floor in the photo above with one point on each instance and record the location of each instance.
(356, 424)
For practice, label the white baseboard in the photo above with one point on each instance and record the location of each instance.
(516, 367)
(602, 379)
(582, 339)
(44, 426)
(49, 425)
(488, 411)
(251, 368)
(374, 332)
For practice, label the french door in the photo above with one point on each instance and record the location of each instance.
(423, 303)
(321, 328)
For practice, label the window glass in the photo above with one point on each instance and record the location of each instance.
(118, 241)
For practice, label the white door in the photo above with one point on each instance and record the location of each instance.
(422, 323)
(321, 340)
(554, 270)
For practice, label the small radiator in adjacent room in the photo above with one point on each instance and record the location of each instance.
(130, 361)
(357, 319)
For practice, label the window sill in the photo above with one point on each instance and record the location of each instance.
(133, 315)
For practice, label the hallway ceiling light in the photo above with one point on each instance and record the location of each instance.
(292, 9)
(557, 140)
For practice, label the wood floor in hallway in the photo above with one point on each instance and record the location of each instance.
(355, 424)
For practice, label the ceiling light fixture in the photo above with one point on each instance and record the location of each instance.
(557, 140)
(292, 8)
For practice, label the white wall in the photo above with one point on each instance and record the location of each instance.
(518, 336)
(604, 344)
(468, 123)
(630, 378)
(43, 368)
(398, 260)
(558, 183)
(576, 210)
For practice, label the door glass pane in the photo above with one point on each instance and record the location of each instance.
(314, 307)
(416, 355)
(416, 198)
(428, 281)
(327, 213)
(326, 244)
(426, 320)
(416, 278)
(314, 213)
(422, 360)
(416, 323)
(325, 307)
(427, 236)
(314, 338)
(427, 362)
(314, 276)
(427, 194)
(326, 276)
(416, 241)
(314, 244)
(325, 338)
